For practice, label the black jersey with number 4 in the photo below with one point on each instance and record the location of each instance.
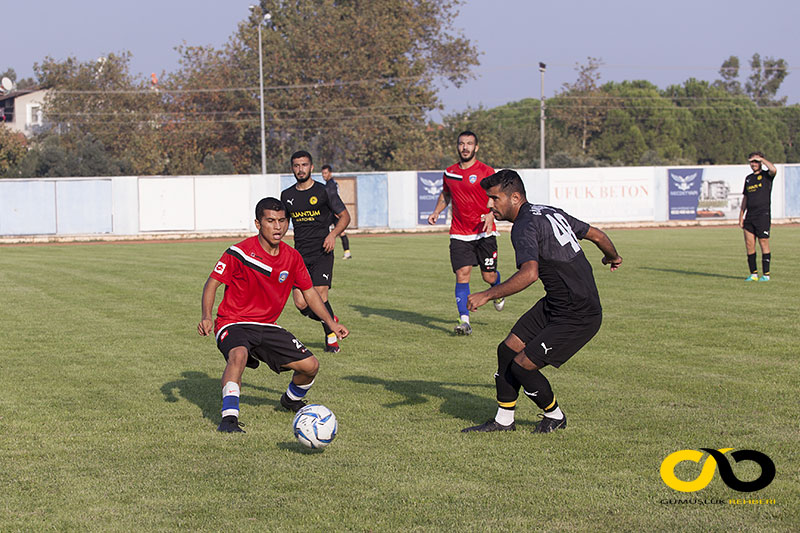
(312, 212)
(550, 236)
(757, 190)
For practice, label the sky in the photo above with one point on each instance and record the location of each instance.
(663, 42)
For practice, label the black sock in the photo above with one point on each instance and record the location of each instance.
(751, 262)
(346, 243)
(765, 263)
(328, 330)
(310, 314)
(535, 385)
(505, 383)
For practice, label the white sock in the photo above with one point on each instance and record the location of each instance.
(504, 416)
(555, 413)
(465, 318)
(331, 338)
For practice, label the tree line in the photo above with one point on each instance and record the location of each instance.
(358, 90)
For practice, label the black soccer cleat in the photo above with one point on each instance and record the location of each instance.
(292, 405)
(548, 425)
(230, 424)
(463, 329)
(490, 425)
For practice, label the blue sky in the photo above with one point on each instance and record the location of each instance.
(663, 42)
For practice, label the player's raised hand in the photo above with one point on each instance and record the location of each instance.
(615, 263)
(205, 327)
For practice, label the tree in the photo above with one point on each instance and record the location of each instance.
(729, 72)
(24, 83)
(582, 106)
(765, 80)
(351, 80)
(13, 147)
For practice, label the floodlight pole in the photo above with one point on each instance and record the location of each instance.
(261, 86)
(542, 68)
(264, 19)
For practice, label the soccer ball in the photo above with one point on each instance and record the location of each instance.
(315, 426)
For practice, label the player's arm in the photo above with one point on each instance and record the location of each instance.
(441, 205)
(527, 274)
(206, 325)
(315, 303)
(488, 221)
(742, 211)
(770, 167)
(601, 240)
(342, 221)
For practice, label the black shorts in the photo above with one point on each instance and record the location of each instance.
(320, 268)
(551, 340)
(264, 342)
(480, 252)
(758, 225)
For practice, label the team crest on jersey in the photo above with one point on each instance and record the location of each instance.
(220, 268)
(759, 177)
(313, 200)
(473, 178)
(282, 276)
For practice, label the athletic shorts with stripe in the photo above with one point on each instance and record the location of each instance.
(268, 343)
(757, 225)
(553, 340)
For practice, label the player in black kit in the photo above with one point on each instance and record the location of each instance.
(312, 211)
(545, 241)
(756, 203)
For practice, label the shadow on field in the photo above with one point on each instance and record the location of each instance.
(206, 393)
(409, 317)
(692, 273)
(457, 403)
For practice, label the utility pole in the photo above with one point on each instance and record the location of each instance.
(264, 19)
(542, 68)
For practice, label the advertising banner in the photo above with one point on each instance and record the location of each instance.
(429, 187)
(603, 194)
(684, 192)
(711, 192)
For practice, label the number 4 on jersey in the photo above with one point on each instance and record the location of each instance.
(563, 231)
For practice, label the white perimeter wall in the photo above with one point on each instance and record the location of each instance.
(143, 205)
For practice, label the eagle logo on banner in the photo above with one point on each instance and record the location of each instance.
(683, 183)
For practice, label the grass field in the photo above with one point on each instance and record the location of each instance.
(110, 399)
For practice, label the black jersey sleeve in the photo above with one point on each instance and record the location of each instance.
(525, 240)
(335, 201)
(579, 227)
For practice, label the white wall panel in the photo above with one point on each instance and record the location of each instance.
(223, 203)
(166, 204)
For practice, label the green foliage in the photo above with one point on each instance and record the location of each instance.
(113, 399)
(13, 147)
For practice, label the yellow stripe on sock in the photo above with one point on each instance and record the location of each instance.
(551, 405)
(507, 405)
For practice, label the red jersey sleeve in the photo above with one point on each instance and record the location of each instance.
(301, 278)
(223, 269)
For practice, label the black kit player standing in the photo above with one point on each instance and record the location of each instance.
(313, 210)
(545, 241)
(333, 188)
(756, 203)
(258, 274)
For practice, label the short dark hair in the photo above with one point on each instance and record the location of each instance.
(327, 167)
(300, 153)
(508, 180)
(268, 204)
(468, 133)
(758, 153)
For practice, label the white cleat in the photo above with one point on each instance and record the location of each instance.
(499, 304)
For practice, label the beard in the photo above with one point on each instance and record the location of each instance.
(303, 179)
(469, 156)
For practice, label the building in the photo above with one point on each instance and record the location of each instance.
(21, 111)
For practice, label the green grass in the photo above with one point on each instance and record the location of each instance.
(110, 400)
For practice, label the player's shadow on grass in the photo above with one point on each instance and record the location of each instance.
(409, 317)
(206, 393)
(457, 402)
(691, 272)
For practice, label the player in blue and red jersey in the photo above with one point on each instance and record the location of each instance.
(545, 241)
(259, 274)
(473, 235)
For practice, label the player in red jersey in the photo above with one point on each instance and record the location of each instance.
(259, 274)
(473, 235)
